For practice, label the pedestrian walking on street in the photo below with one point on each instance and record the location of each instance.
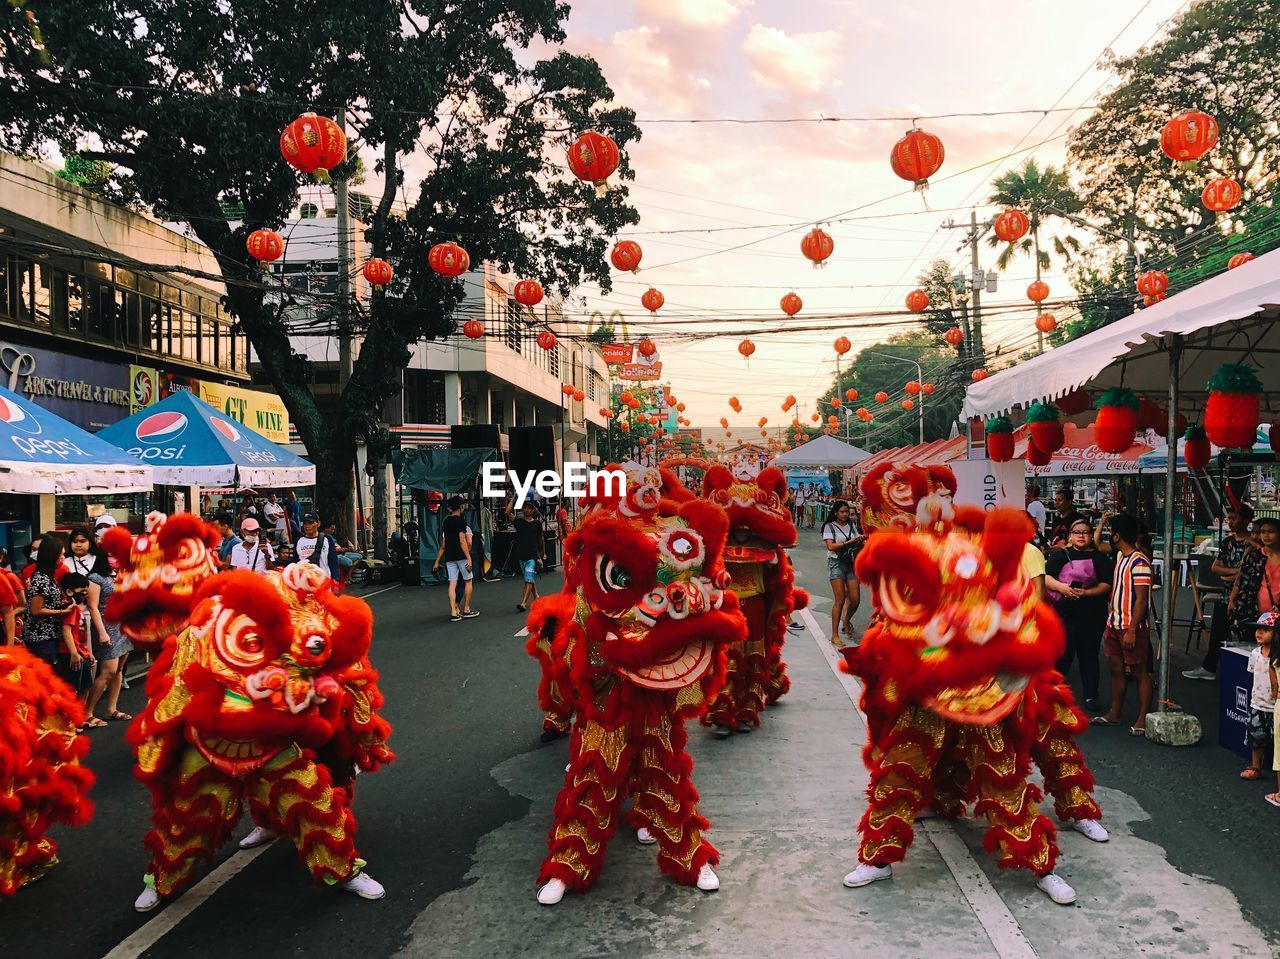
(529, 550)
(455, 550)
(1128, 635)
(842, 538)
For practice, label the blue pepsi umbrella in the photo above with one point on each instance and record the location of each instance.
(189, 443)
(43, 453)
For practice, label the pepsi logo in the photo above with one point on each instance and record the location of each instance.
(14, 416)
(226, 429)
(161, 427)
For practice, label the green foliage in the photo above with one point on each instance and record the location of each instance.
(1194, 433)
(188, 101)
(1033, 190)
(1235, 378)
(1118, 396)
(601, 334)
(92, 174)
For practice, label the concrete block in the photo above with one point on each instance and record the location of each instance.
(1173, 729)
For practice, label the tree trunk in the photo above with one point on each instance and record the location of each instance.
(378, 450)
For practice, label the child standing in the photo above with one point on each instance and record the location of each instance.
(75, 657)
(1262, 703)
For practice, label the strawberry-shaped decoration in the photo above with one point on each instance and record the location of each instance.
(1150, 416)
(1231, 414)
(1117, 420)
(1195, 448)
(1045, 426)
(1000, 439)
(1036, 456)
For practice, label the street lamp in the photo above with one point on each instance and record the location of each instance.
(919, 378)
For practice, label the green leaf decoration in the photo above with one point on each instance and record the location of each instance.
(999, 424)
(1043, 413)
(1193, 433)
(1235, 378)
(1118, 396)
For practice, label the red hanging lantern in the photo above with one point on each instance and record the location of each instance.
(815, 417)
(578, 395)
(593, 158)
(979, 375)
(908, 405)
(1117, 421)
(1153, 283)
(547, 340)
(679, 407)
(833, 420)
(626, 256)
(449, 259)
(1046, 322)
(746, 348)
(817, 246)
(851, 394)
(917, 301)
(378, 273)
(527, 292)
(842, 345)
(1038, 291)
(1195, 448)
(863, 414)
(473, 329)
(763, 421)
(954, 336)
(313, 144)
(265, 246)
(882, 397)
(791, 304)
(916, 157)
(624, 426)
(999, 432)
(912, 388)
(1189, 136)
(1231, 413)
(927, 389)
(1222, 194)
(652, 300)
(1240, 259)
(1012, 225)
(646, 347)
(625, 397)
(835, 402)
(1044, 426)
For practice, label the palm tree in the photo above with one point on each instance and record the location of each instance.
(1034, 191)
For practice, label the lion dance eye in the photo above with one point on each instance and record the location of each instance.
(610, 576)
(315, 645)
(236, 640)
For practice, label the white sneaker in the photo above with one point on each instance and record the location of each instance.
(1092, 829)
(708, 881)
(645, 837)
(1056, 888)
(259, 836)
(147, 900)
(552, 892)
(1199, 673)
(866, 874)
(364, 886)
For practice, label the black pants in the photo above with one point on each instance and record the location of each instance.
(1084, 641)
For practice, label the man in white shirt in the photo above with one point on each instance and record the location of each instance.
(252, 553)
(316, 547)
(1036, 509)
(276, 518)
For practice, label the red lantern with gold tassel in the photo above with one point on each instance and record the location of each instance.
(917, 156)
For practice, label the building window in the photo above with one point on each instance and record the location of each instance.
(513, 326)
(42, 313)
(423, 396)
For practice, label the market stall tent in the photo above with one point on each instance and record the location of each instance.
(825, 452)
(189, 443)
(41, 453)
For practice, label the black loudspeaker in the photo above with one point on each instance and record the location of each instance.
(479, 437)
(531, 448)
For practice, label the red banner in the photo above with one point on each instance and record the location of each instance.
(616, 352)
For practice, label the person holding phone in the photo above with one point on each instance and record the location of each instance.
(843, 539)
(252, 553)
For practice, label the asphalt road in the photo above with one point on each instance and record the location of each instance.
(461, 699)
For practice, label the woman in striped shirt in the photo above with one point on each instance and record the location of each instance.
(1127, 638)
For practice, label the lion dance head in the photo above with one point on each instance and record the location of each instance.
(892, 493)
(755, 500)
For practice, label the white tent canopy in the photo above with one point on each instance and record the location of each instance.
(825, 452)
(1229, 318)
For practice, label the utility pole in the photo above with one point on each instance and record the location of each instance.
(345, 292)
(976, 282)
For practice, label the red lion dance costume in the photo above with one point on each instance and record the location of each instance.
(262, 695)
(961, 694)
(41, 779)
(891, 492)
(760, 532)
(637, 644)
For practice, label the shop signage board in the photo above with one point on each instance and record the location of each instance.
(264, 413)
(616, 353)
(89, 393)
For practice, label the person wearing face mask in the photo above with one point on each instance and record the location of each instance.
(252, 553)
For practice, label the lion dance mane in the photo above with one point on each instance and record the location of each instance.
(41, 779)
(960, 691)
(760, 533)
(634, 645)
(262, 694)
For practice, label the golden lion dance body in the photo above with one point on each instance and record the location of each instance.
(635, 645)
(262, 695)
(760, 533)
(961, 694)
(41, 779)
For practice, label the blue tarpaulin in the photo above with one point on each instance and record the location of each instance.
(43, 453)
(189, 443)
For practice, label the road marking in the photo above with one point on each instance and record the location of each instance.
(379, 592)
(997, 921)
(523, 632)
(165, 921)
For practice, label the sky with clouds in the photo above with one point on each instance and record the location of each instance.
(743, 195)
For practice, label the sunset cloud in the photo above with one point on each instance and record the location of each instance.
(796, 63)
(701, 14)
